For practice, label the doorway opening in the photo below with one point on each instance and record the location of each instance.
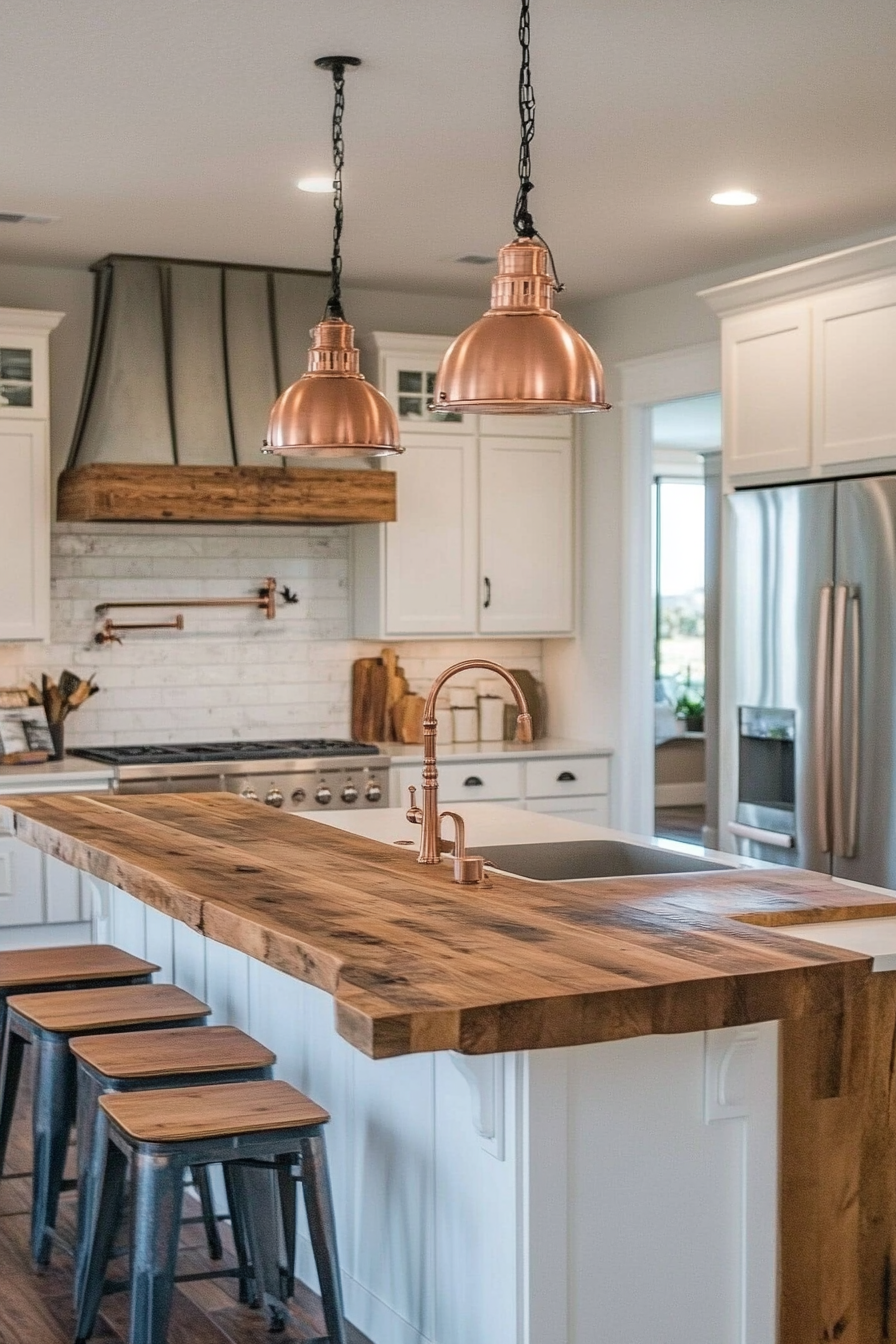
(685, 439)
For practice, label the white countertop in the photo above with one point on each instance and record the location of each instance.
(71, 773)
(496, 824)
(411, 753)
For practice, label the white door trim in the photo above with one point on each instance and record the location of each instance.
(692, 371)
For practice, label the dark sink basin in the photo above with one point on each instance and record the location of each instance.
(576, 860)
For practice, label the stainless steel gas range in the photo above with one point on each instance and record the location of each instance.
(302, 775)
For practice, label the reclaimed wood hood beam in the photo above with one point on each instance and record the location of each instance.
(125, 493)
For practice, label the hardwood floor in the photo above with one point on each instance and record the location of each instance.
(37, 1309)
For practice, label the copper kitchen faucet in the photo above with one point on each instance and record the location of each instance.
(432, 846)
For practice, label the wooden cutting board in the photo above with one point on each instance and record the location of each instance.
(407, 718)
(362, 691)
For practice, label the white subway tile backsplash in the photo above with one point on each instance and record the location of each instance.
(230, 673)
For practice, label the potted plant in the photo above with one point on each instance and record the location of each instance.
(690, 706)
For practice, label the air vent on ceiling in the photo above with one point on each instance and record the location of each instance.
(18, 217)
(475, 259)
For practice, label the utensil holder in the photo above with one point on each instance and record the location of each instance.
(57, 733)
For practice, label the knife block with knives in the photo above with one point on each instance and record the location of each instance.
(383, 708)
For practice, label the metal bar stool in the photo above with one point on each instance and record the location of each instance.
(175, 1057)
(46, 969)
(47, 1021)
(244, 1125)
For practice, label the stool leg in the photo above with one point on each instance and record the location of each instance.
(248, 1292)
(256, 1196)
(322, 1225)
(157, 1180)
(93, 1132)
(54, 1114)
(212, 1235)
(98, 1251)
(287, 1187)
(10, 1071)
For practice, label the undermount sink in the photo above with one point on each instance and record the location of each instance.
(579, 860)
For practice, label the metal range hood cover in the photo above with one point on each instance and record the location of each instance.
(187, 358)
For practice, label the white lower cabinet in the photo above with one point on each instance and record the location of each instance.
(577, 787)
(43, 901)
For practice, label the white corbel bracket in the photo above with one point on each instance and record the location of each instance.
(484, 1075)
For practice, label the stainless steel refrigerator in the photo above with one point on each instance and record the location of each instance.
(813, 627)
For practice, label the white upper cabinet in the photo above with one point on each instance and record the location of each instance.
(854, 340)
(766, 362)
(527, 535)
(484, 539)
(25, 535)
(808, 353)
(432, 550)
(25, 473)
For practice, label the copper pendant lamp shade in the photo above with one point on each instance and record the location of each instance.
(332, 411)
(520, 357)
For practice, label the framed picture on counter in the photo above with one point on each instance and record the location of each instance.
(24, 730)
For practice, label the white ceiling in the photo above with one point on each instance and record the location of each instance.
(179, 127)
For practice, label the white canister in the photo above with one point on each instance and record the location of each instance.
(445, 719)
(491, 718)
(466, 723)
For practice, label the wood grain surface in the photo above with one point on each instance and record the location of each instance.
(181, 1114)
(416, 963)
(154, 1054)
(114, 492)
(54, 965)
(71, 1010)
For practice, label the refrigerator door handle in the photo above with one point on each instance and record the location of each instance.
(841, 595)
(852, 811)
(821, 740)
(761, 836)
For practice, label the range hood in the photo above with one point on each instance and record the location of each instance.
(186, 359)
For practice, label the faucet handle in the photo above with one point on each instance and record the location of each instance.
(414, 813)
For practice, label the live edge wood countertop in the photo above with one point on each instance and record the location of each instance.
(416, 963)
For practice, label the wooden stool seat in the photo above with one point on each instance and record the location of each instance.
(173, 1051)
(68, 1012)
(188, 1114)
(50, 965)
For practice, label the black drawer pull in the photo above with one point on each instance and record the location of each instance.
(566, 777)
(472, 781)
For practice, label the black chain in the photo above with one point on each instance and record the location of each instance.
(522, 219)
(334, 302)
(523, 222)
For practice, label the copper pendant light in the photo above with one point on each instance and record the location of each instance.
(521, 357)
(332, 411)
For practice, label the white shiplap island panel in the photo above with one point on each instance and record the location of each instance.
(623, 1193)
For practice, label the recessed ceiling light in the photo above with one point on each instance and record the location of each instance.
(318, 184)
(736, 197)
(476, 259)
(21, 217)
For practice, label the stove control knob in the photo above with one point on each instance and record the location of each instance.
(323, 795)
(273, 797)
(373, 793)
(250, 794)
(349, 794)
(298, 795)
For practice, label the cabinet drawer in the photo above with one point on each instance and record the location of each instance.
(475, 781)
(567, 778)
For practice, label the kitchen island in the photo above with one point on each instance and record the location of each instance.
(555, 1106)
